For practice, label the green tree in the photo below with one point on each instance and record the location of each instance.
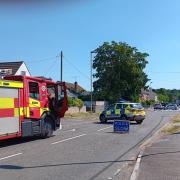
(149, 102)
(167, 95)
(79, 103)
(178, 97)
(119, 72)
(163, 98)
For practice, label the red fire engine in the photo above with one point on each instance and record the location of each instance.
(30, 106)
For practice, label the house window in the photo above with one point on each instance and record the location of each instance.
(34, 90)
(23, 73)
(5, 72)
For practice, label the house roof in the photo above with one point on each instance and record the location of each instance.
(11, 65)
(148, 92)
(71, 87)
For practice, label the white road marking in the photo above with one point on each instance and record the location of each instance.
(104, 128)
(67, 130)
(13, 155)
(71, 130)
(117, 172)
(60, 127)
(135, 173)
(68, 139)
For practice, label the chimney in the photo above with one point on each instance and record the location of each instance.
(75, 86)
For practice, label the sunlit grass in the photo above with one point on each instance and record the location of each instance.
(177, 119)
(174, 127)
(83, 115)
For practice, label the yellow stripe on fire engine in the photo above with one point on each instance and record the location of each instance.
(16, 112)
(13, 84)
(26, 112)
(6, 103)
(34, 103)
(21, 111)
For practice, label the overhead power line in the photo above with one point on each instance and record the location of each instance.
(75, 67)
(54, 63)
(40, 60)
(170, 72)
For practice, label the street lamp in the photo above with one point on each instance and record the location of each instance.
(150, 86)
(91, 83)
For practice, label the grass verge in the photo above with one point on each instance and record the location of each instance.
(84, 115)
(174, 126)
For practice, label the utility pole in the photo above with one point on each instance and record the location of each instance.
(91, 80)
(91, 77)
(61, 71)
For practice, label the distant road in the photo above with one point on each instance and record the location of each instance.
(83, 150)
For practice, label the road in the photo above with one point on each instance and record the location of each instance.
(83, 150)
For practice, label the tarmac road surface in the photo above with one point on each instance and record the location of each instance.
(82, 150)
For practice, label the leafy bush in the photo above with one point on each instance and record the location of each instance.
(75, 102)
(71, 102)
(79, 103)
(148, 103)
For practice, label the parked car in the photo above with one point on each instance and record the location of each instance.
(158, 107)
(164, 105)
(128, 111)
(171, 107)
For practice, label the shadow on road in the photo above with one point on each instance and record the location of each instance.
(161, 153)
(16, 141)
(177, 133)
(109, 122)
(112, 122)
(13, 167)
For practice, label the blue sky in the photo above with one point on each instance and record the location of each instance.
(37, 34)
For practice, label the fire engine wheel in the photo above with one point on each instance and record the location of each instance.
(102, 118)
(48, 128)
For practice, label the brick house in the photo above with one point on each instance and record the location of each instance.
(147, 95)
(75, 90)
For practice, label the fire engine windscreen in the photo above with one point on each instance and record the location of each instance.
(34, 90)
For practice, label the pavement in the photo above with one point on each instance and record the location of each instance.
(161, 161)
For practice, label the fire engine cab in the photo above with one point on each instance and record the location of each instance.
(30, 106)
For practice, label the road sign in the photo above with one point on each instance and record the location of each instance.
(121, 126)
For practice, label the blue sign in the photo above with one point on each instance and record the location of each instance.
(121, 126)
